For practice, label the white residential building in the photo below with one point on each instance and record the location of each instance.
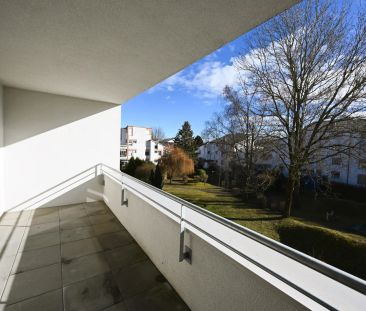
(346, 168)
(136, 142)
(210, 153)
(65, 69)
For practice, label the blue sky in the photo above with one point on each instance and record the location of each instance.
(192, 94)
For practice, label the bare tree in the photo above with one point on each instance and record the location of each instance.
(158, 134)
(308, 66)
(237, 130)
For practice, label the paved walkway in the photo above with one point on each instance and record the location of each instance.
(77, 257)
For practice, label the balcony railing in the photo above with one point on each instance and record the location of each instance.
(214, 263)
(300, 279)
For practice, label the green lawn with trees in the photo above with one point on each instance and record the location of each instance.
(307, 230)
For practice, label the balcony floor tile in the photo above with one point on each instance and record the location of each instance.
(36, 258)
(51, 301)
(80, 248)
(70, 235)
(95, 293)
(77, 257)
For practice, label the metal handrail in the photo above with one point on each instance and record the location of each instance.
(317, 265)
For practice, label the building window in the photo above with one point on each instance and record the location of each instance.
(336, 161)
(361, 179)
(147, 153)
(362, 164)
(335, 175)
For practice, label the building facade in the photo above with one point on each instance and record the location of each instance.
(137, 142)
(346, 168)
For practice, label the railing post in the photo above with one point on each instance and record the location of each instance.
(185, 253)
(124, 200)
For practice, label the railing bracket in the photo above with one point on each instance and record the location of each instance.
(124, 200)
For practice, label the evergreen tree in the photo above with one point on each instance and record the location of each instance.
(130, 167)
(185, 141)
(158, 178)
(152, 178)
(198, 141)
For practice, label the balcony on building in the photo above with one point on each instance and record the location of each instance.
(75, 232)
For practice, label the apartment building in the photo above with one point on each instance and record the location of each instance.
(137, 142)
(346, 168)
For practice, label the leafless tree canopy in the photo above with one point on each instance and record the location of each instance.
(158, 133)
(238, 129)
(308, 67)
(304, 73)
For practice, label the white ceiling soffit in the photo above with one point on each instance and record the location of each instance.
(113, 50)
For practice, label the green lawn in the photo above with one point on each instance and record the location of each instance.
(306, 230)
(222, 202)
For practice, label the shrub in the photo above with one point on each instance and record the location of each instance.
(157, 177)
(344, 251)
(132, 165)
(143, 171)
(202, 175)
(349, 192)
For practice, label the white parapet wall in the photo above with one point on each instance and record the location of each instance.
(1, 151)
(229, 270)
(49, 140)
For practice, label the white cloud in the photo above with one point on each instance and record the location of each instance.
(204, 80)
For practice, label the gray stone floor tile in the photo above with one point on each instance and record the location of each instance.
(20, 218)
(70, 214)
(162, 298)
(44, 228)
(99, 219)
(96, 208)
(51, 301)
(44, 211)
(32, 283)
(115, 239)
(107, 227)
(96, 293)
(117, 307)
(82, 253)
(40, 241)
(10, 240)
(74, 223)
(80, 248)
(36, 258)
(75, 234)
(77, 206)
(82, 268)
(6, 263)
(137, 278)
(43, 219)
(125, 256)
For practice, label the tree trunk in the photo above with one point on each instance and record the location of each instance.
(289, 196)
(296, 196)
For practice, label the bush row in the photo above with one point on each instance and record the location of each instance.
(338, 249)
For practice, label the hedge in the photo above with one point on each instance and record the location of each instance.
(344, 251)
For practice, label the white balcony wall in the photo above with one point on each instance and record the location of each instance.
(213, 281)
(1, 151)
(48, 139)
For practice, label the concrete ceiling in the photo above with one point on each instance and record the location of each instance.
(113, 50)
